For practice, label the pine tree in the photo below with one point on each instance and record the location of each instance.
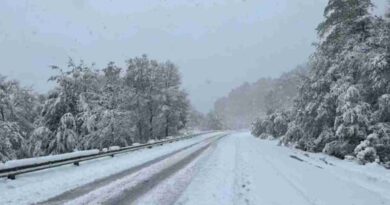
(342, 105)
(345, 21)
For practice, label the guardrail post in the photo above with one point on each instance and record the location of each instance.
(76, 163)
(112, 155)
(12, 177)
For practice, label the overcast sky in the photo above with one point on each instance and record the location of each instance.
(218, 44)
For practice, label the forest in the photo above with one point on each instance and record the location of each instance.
(338, 102)
(92, 109)
(250, 101)
(342, 105)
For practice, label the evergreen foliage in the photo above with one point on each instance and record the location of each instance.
(342, 105)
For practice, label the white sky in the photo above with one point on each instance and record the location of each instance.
(218, 44)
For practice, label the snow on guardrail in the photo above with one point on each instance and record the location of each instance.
(79, 154)
(37, 160)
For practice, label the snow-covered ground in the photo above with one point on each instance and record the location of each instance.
(38, 186)
(237, 169)
(246, 170)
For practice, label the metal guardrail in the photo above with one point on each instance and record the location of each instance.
(11, 173)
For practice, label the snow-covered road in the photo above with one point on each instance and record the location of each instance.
(246, 170)
(42, 185)
(236, 169)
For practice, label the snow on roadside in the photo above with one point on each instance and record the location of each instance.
(37, 160)
(39, 186)
(246, 170)
(370, 176)
(323, 179)
(50, 158)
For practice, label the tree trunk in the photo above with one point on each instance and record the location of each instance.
(167, 127)
(2, 114)
(151, 126)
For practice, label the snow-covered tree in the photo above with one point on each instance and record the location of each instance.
(66, 138)
(342, 105)
(19, 109)
(92, 108)
(39, 142)
(213, 122)
(351, 123)
(323, 104)
(12, 143)
(159, 105)
(273, 125)
(250, 101)
(174, 102)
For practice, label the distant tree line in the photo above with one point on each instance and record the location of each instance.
(343, 104)
(250, 101)
(201, 121)
(93, 109)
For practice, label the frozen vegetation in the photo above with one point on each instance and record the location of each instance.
(93, 109)
(249, 101)
(37, 160)
(342, 105)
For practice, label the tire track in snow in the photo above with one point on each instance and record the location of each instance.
(320, 186)
(293, 185)
(290, 182)
(349, 177)
(213, 184)
(169, 191)
(85, 189)
(129, 196)
(240, 182)
(127, 189)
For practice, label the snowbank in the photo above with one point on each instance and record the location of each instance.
(112, 148)
(38, 160)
